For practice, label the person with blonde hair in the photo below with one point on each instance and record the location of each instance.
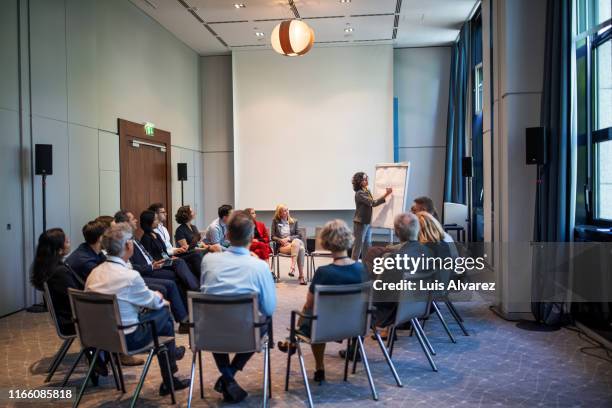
(286, 235)
(337, 238)
(432, 235)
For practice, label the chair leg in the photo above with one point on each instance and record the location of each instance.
(115, 373)
(419, 328)
(346, 358)
(76, 362)
(391, 335)
(457, 317)
(366, 365)
(439, 314)
(58, 354)
(288, 368)
(424, 347)
(145, 369)
(59, 358)
(163, 349)
(387, 358)
(120, 370)
(193, 361)
(355, 352)
(304, 375)
(270, 370)
(266, 375)
(201, 374)
(89, 371)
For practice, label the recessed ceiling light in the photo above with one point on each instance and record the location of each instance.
(239, 5)
(348, 30)
(345, 1)
(259, 34)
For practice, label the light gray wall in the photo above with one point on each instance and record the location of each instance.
(91, 62)
(518, 61)
(421, 84)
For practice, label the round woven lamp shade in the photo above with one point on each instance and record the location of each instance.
(292, 38)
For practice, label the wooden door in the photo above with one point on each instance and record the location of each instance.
(145, 168)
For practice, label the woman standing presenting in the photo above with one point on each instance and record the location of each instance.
(363, 214)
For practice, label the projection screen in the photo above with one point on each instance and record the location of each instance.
(304, 125)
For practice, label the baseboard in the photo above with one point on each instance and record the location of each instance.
(511, 316)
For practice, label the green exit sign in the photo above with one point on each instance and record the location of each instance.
(149, 129)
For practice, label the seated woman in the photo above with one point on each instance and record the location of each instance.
(49, 267)
(432, 235)
(285, 234)
(187, 233)
(260, 245)
(337, 238)
(155, 245)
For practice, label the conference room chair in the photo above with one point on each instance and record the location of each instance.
(319, 252)
(98, 325)
(340, 312)
(442, 296)
(413, 305)
(276, 255)
(68, 339)
(227, 324)
(455, 219)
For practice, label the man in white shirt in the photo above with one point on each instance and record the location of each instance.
(233, 272)
(114, 277)
(162, 231)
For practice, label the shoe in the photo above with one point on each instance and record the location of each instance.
(178, 385)
(285, 347)
(342, 354)
(100, 368)
(291, 273)
(183, 328)
(302, 281)
(232, 392)
(319, 376)
(179, 353)
(219, 384)
(129, 361)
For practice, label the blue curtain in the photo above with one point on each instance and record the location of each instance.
(554, 218)
(454, 184)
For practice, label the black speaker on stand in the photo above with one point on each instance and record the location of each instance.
(182, 176)
(43, 166)
(467, 171)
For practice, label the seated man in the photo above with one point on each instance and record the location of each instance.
(233, 272)
(406, 228)
(216, 233)
(89, 254)
(144, 263)
(114, 277)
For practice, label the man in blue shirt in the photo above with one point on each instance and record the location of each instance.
(234, 272)
(89, 254)
(216, 233)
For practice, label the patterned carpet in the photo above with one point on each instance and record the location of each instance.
(497, 365)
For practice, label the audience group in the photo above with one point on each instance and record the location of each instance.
(151, 276)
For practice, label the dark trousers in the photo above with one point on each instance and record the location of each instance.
(189, 281)
(143, 336)
(171, 292)
(194, 262)
(227, 369)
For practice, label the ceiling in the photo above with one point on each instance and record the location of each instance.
(213, 27)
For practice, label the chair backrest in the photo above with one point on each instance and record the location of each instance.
(415, 303)
(342, 311)
(456, 214)
(224, 323)
(97, 321)
(51, 308)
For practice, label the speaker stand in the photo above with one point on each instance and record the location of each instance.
(182, 195)
(44, 202)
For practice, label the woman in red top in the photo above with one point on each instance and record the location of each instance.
(260, 245)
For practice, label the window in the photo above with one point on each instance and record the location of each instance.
(478, 88)
(594, 98)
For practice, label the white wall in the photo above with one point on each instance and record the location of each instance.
(309, 123)
(92, 62)
(421, 84)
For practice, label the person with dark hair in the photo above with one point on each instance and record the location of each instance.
(148, 266)
(260, 245)
(155, 245)
(216, 233)
(49, 267)
(187, 234)
(424, 203)
(137, 303)
(364, 202)
(89, 254)
(234, 272)
(107, 220)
